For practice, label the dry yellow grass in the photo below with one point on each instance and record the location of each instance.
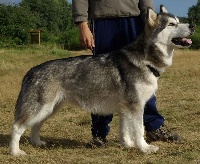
(178, 99)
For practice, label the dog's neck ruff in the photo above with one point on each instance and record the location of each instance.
(155, 72)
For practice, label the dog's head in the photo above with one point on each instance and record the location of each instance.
(166, 30)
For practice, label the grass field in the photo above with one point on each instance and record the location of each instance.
(178, 99)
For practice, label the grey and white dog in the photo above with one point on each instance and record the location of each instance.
(121, 81)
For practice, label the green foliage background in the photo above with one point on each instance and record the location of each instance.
(15, 24)
(54, 19)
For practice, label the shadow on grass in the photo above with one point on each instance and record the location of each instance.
(52, 143)
(4, 140)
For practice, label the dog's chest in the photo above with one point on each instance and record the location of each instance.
(146, 88)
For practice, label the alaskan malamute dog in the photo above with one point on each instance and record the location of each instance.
(121, 81)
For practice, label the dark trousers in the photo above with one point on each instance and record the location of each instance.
(110, 35)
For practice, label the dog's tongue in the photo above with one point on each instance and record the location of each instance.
(188, 41)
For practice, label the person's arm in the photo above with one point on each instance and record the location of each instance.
(85, 35)
(80, 16)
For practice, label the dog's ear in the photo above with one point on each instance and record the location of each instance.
(163, 9)
(151, 16)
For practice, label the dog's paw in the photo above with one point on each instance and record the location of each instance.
(150, 149)
(18, 153)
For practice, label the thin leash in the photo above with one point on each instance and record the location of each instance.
(93, 33)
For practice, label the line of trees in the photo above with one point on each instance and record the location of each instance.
(194, 13)
(194, 18)
(54, 19)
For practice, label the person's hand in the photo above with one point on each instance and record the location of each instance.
(85, 36)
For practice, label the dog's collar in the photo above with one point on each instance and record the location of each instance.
(155, 72)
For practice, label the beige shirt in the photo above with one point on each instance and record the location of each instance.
(82, 10)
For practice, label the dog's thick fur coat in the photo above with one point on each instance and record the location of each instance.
(121, 81)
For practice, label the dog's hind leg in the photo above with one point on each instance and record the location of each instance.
(46, 111)
(34, 120)
(35, 134)
(18, 130)
(20, 126)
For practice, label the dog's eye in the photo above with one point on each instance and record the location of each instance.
(171, 24)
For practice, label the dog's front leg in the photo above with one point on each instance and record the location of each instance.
(126, 133)
(136, 123)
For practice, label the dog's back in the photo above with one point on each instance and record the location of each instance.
(95, 83)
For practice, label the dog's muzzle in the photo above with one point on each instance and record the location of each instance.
(184, 41)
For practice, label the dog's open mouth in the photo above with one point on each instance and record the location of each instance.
(182, 42)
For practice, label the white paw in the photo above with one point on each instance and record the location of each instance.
(18, 153)
(150, 149)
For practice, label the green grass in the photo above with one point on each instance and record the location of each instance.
(178, 99)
